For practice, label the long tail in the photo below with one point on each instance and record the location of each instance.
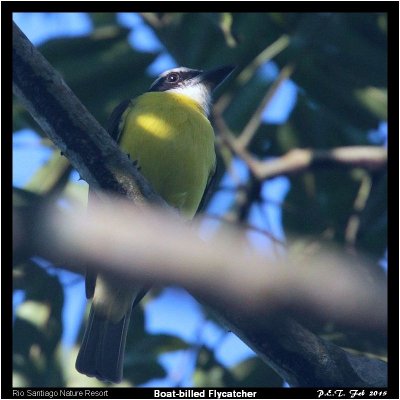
(102, 352)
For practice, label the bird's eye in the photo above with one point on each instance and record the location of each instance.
(173, 77)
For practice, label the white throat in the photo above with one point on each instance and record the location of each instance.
(197, 92)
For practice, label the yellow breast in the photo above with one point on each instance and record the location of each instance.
(173, 142)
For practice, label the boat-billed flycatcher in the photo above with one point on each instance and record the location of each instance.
(167, 132)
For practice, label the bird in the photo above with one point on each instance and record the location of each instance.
(167, 133)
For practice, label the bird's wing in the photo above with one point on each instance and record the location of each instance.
(114, 128)
(116, 120)
(210, 185)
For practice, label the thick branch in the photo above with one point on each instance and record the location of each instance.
(71, 127)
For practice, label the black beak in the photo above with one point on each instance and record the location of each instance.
(214, 77)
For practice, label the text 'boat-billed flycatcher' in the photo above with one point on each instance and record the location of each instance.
(167, 132)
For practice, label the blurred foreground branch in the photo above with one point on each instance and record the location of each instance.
(250, 294)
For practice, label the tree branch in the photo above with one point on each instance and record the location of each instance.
(71, 127)
(255, 121)
(299, 160)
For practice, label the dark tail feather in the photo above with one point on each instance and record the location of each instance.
(102, 352)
